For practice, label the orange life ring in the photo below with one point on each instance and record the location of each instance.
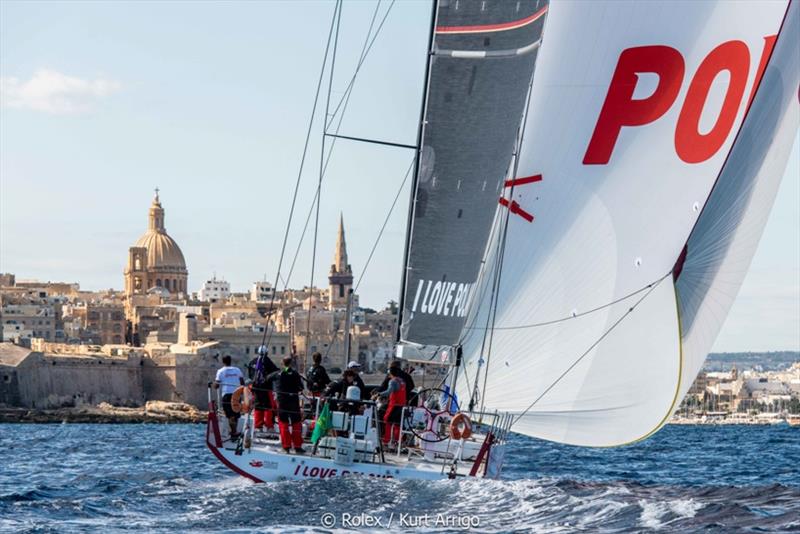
(460, 426)
(242, 399)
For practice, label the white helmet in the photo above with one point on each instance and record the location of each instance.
(354, 393)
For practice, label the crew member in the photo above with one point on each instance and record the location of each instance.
(396, 393)
(356, 368)
(229, 378)
(338, 388)
(288, 387)
(411, 397)
(261, 368)
(317, 377)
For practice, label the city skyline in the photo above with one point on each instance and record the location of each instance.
(95, 116)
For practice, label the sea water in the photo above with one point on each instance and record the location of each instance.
(161, 478)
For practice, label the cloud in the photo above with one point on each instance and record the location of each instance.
(50, 91)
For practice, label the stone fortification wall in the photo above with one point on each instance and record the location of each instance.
(53, 381)
(58, 376)
(179, 377)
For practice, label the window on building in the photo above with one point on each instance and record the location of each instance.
(341, 291)
(274, 349)
(283, 349)
(158, 282)
(247, 350)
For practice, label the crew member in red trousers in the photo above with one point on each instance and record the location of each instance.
(396, 393)
(262, 367)
(288, 387)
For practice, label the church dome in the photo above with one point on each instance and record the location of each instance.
(163, 253)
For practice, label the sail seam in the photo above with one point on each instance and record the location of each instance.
(582, 314)
(589, 350)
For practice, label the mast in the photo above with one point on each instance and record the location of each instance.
(347, 325)
(417, 163)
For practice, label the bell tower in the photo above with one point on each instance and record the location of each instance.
(136, 282)
(340, 278)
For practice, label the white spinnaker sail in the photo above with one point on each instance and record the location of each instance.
(637, 113)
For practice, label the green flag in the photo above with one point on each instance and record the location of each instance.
(322, 425)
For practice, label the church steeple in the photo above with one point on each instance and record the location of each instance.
(340, 254)
(156, 215)
(340, 279)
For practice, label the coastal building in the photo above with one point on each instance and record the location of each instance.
(155, 260)
(55, 375)
(214, 290)
(169, 343)
(262, 292)
(25, 321)
(103, 323)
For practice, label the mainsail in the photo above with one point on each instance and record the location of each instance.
(482, 59)
(660, 132)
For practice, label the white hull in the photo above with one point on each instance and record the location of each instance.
(265, 464)
(355, 450)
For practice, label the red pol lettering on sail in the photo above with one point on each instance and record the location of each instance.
(621, 109)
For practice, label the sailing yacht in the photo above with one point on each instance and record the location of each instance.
(590, 184)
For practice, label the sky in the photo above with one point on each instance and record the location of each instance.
(209, 101)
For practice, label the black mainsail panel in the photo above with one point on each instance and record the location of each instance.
(482, 61)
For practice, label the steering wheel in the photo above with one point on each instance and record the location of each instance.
(432, 415)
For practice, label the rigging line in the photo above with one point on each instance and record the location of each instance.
(495, 269)
(493, 314)
(462, 341)
(587, 312)
(377, 240)
(515, 169)
(319, 181)
(265, 339)
(364, 51)
(412, 200)
(385, 222)
(591, 347)
(346, 100)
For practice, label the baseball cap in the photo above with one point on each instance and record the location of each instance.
(353, 365)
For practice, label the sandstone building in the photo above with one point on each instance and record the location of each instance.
(156, 260)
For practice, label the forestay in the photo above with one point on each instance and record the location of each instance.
(660, 155)
(481, 65)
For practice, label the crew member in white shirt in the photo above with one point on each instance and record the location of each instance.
(229, 378)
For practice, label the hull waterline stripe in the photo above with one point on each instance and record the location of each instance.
(487, 28)
(230, 465)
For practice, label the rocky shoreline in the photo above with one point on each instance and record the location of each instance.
(152, 412)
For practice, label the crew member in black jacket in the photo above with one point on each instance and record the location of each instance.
(288, 387)
(317, 377)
